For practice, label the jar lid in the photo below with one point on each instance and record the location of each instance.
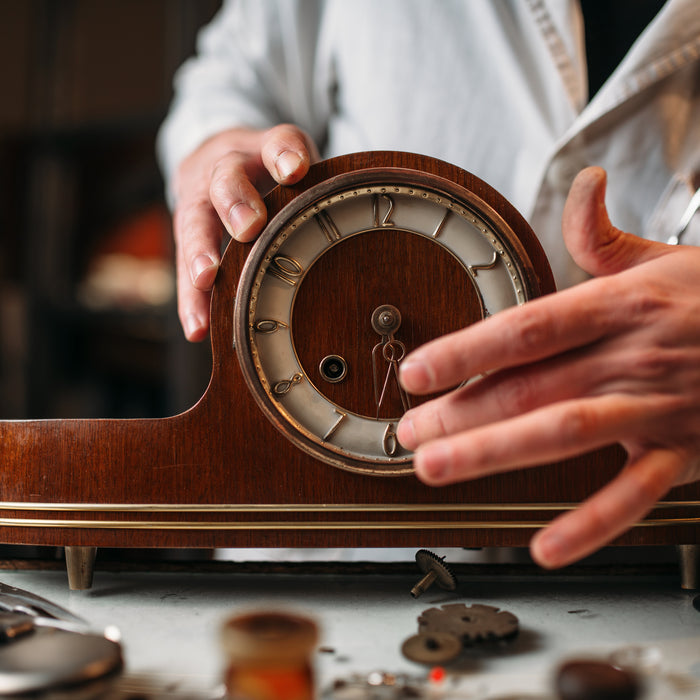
(268, 636)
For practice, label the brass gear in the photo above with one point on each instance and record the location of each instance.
(469, 623)
(435, 570)
(431, 648)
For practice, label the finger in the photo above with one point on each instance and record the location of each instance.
(594, 243)
(197, 232)
(193, 307)
(510, 393)
(612, 510)
(517, 336)
(542, 436)
(287, 153)
(239, 178)
(549, 325)
(234, 196)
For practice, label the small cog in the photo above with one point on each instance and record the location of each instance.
(469, 623)
(431, 648)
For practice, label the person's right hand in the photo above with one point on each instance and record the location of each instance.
(222, 182)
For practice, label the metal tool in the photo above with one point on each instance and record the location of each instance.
(43, 646)
(52, 658)
(688, 214)
(18, 600)
(52, 654)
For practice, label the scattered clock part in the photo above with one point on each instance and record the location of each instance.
(591, 679)
(637, 659)
(439, 648)
(436, 572)
(48, 659)
(385, 685)
(469, 623)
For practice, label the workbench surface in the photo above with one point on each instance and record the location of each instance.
(170, 622)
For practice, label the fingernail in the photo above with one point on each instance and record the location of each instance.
(432, 464)
(415, 376)
(192, 325)
(549, 549)
(406, 433)
(287, 162)
(203, 272)
(241, 217)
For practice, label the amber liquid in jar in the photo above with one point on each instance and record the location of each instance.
(269, 656)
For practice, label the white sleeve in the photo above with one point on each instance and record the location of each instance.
(254, 67)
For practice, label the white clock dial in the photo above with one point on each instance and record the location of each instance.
(342, 286)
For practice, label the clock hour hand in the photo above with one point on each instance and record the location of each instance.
(386, 320)
(393, 352)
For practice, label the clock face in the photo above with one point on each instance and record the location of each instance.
(344, 282)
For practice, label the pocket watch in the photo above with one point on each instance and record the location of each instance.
(372, 255)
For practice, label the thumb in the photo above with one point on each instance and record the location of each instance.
(594, 243)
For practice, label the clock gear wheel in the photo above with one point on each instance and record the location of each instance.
(469, 623)
(436, 572)
(439, 648)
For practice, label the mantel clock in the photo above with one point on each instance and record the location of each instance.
(294, 441)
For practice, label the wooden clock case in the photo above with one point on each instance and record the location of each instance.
(221, 475)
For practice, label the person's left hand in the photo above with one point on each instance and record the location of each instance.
(614, 359)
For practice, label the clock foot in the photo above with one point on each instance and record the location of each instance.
(80, 564)
(689, 559)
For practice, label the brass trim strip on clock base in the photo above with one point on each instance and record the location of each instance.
(306, 507)
(312, 508)
(296, 525)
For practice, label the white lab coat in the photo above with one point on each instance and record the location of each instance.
(497, 87)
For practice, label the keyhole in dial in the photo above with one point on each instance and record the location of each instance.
(333, 368)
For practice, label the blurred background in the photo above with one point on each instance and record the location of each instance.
(88, 326)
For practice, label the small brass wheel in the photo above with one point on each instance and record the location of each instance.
(431, 649)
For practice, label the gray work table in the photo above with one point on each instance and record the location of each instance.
(170, 621)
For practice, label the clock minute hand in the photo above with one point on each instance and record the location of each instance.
(386, 320)
(393, 352)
